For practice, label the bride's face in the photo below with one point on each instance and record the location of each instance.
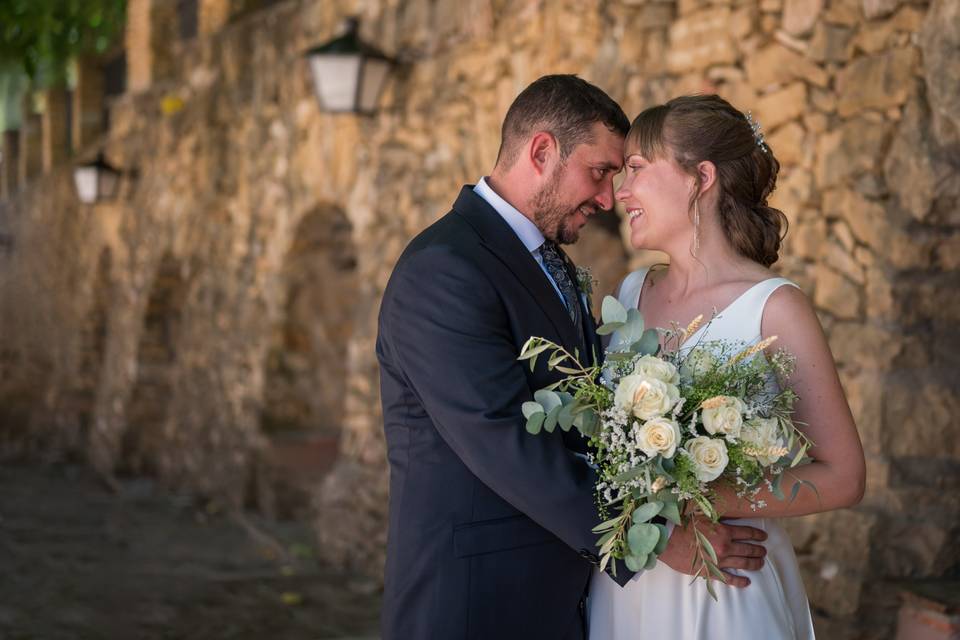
(656, 195)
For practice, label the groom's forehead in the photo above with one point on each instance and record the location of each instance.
(604, 151)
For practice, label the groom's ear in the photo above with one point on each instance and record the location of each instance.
(543, 151)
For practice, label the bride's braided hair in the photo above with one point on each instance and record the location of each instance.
(692, 129)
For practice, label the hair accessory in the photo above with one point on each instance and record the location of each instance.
(757, 133)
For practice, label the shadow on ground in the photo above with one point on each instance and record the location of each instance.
(81, 563)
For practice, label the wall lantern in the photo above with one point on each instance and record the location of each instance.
(96, 181)
(348, 74)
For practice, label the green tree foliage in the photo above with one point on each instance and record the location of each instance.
(41, 36)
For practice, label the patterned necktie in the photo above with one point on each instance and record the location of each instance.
(557, 269)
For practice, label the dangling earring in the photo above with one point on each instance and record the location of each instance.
(696, 226)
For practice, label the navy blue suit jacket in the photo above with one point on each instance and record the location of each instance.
(489, 527)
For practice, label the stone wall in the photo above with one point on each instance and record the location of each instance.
(232, 290)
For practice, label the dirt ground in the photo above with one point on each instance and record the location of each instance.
(82, 563)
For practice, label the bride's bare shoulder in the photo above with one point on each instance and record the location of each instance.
(789, 307)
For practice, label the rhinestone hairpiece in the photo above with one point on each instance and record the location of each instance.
(757, 133)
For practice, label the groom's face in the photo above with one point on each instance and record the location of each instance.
(579, 187)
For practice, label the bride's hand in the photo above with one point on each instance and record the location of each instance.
(736, 546)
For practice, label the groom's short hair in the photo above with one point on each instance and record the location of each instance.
(564, 105)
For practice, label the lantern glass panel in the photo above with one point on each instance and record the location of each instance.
(108, 183)
(85, 180)
(373, 80)
(335, 79)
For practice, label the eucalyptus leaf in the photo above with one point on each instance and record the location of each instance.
(550, 422)
(586, 422)
(565, 417)
(535, 422)
(776, 488)
(643, 538)
(651, 562)
(547, 399)
(671, 511)
(530, 408)
(629, 332)
(611, 310)
(644, 512)
(664, 539)
(608, 328)
(648, 344)
(635, 562)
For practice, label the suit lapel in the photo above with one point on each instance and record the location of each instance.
(500, 239)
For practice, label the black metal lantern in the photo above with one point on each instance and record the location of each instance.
(348, 74)
(96, 181)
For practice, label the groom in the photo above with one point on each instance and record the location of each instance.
(490, 527)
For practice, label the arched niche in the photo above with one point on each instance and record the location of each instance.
(147, 410)
(305, 378)
(305, 369)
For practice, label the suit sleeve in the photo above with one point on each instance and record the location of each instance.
(446, 329)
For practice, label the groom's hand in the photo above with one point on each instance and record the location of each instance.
(737, 548)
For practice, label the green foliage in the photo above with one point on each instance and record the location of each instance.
(41, 36)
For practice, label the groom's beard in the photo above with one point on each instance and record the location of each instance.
(554, 217)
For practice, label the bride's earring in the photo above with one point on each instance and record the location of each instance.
(696, 226)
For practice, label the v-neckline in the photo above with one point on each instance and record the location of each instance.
(703, 326)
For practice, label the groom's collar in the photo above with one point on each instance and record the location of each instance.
(525, 229)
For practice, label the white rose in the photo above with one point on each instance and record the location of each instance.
(659, 436)
(645, 398)
(762, 435)
(709, 457)
(653, 367)
(722, 414)
(697, 363)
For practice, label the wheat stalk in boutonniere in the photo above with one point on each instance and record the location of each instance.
(666, 422)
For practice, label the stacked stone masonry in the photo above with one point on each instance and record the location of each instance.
(230, 293)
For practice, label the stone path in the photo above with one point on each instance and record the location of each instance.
(80, 563)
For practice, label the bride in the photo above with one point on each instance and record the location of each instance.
(698, 174)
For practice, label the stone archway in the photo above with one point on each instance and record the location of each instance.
(147, 410)
(305, 373)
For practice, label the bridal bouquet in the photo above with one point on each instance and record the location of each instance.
(666, 425)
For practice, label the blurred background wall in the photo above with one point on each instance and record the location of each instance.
(213, 324)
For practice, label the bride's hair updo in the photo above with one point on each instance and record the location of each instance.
(692, 129)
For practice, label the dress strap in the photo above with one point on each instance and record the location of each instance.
(748, 310)
(631, 286)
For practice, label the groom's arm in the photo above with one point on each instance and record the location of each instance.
(447, 330)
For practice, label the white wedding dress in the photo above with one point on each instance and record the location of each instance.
(661, 603)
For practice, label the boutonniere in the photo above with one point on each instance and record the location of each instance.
(586, 281)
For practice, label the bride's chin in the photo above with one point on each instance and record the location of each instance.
(638, 243)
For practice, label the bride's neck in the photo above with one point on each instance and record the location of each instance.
(715, 261)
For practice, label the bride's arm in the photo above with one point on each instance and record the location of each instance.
(838, 468)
